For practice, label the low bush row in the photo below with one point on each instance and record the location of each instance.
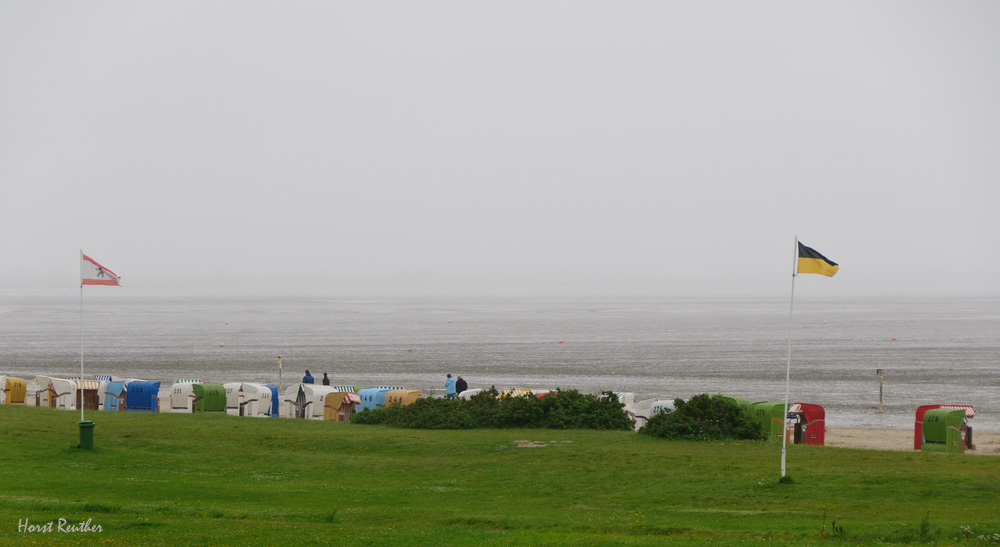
(704, 418)
(488, 409)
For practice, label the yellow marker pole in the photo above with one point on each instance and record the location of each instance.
(880, 375)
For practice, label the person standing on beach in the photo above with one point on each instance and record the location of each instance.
(449, 385)
(326, 380)
(460, 386)
(307, 379)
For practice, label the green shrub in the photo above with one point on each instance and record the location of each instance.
(704, 418)
(488, 409)
(422, 414)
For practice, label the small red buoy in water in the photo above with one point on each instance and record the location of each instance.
(893, 338)
(560, 342)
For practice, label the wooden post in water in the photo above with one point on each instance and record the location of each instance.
(880, 373)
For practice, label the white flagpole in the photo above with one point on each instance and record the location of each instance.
(79, 389)
(788, 368)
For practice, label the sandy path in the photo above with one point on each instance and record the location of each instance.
(901, 439)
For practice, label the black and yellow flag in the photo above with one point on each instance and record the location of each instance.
(812, 262)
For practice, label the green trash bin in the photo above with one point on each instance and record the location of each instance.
(86, 434)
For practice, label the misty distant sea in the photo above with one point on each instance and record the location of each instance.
(945, 350)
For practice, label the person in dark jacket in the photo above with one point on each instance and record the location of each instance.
(460, 386)
(326, 380)
(307, 379)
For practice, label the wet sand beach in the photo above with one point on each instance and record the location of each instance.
(901, 439)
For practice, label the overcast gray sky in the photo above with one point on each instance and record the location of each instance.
(569, 146)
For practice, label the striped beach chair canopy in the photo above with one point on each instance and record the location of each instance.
(348, 389)
(88, 384)
(103, 378)
(969, 413)
(515, 392)
(187, 381)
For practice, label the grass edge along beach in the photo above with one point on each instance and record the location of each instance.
(159, 479)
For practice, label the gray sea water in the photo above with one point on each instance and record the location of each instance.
(932, 350)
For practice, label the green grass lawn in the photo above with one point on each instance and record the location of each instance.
(176, 479)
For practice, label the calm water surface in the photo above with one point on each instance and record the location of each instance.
(945, 350)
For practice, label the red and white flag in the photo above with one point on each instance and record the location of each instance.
(92, 273)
